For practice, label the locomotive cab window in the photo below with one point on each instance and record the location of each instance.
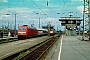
(22, 28)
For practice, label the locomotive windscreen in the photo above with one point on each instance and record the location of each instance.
(22, 28)
(25, 25)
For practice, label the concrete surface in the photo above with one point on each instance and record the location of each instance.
(6, 37)
(71, 49)
(10, 48)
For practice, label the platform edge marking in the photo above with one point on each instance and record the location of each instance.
(59, 56)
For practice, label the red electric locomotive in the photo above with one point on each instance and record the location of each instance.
(52, 32)
(25, 31)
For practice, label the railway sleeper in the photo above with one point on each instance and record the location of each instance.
(38, 53)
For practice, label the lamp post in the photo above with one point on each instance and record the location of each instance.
(49, 29)
(8, 21)
(15, 24)
(83, 20)
(39, 20)
(57, 23)
(57, 26)
(70, 14)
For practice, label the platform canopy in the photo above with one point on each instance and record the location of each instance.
(70, 20)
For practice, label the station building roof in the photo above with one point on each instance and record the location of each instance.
(70, 18)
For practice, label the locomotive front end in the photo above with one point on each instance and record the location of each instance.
(22, 32)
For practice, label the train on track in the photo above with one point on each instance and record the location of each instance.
(25, 32)
(52, 32)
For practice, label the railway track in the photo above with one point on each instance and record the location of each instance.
(34, 53)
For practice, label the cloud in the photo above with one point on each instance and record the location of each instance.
(5, 17)
(81, 9)
(15, 10)
(22, 10)
(49, 18)
(22, 13)
(77, 0)
(3, 0)
(28, 12)
(39, 0)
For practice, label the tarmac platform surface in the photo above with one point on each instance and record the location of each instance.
(6, 37)
(70, 48)
(13, 47)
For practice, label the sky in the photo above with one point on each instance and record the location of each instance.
(30, 11)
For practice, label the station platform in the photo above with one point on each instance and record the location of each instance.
(70, 48)
(17, 46)
(6, 37)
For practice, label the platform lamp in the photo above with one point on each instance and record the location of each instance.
(48, 29)
(57, 22)
(15, 23)
(39, 20)
(70, 14)
(58, 13)
(8, 21)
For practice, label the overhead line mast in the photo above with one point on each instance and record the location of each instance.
(86, 19)
(89, 18)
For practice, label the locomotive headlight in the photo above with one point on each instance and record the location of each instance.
(22, 32)
(19, 32)
(51, 31)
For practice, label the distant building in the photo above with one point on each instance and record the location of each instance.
(71, 24)
(46, 27)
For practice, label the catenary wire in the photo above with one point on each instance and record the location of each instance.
(39, 7)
